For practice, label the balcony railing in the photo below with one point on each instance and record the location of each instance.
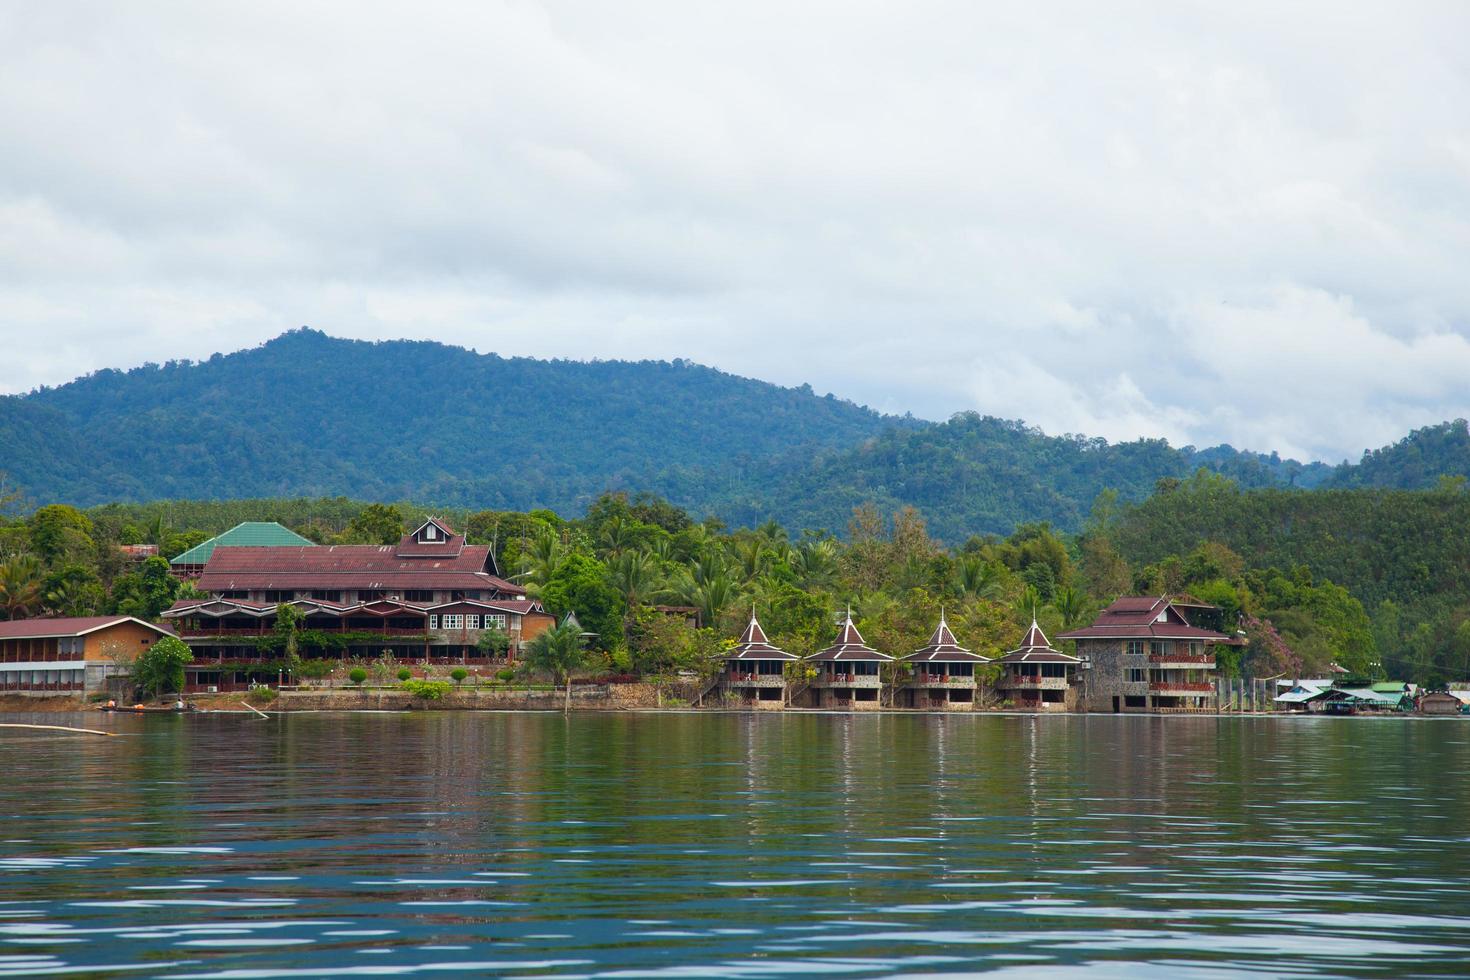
(942, 680)
(1034, 681)
(1186, 687)
(1182, 658)
(754, 680)
(847, 680)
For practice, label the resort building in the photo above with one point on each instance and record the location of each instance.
(75, 656)
(755, 671)
(250, 534)
(428, 598)
(847, 672)
(943, 675)
(1037, 677)
(1143, 654)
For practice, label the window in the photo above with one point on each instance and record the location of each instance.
(472, 622)
(1136, 675)
(1135, 648)
(453, 621)
(1196, 648)
(497, 619)
(433, 622)
(326, 595)
(418, 595)
(431, 533)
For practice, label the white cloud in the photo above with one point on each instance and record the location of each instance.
(1209, 221)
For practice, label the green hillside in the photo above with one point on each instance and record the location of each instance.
(306, 415)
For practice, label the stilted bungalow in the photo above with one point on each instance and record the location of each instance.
(847, 672)
(1038, 677)
(755, 671)
(944, 674)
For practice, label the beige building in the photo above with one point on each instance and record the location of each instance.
(75, 655)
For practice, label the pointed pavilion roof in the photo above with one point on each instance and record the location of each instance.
(850, 646)
(944, 648)
(252, 534)
(753, 645)
(1035, 648)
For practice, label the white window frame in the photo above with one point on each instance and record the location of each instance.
(472, 621)
(453, 621)
(497, 618)
(433, 621)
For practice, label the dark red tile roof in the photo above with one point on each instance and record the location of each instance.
(753, 645)
(850, 646)
(36, 629)
(378, 607)
(1141, 617)
(350, 567)
(944, 648)
(1035, 648)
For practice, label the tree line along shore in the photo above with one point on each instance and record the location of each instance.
(1374, 581)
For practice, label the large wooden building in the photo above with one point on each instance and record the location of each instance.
(427, 598)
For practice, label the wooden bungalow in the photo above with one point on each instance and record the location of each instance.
(847, 672)
(755, 671)
(943, 674)
(1038, 677)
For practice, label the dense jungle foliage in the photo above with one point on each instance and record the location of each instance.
(1374, 580)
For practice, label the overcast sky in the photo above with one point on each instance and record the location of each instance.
(1235, 221)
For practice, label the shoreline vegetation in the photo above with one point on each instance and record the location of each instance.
(1377, 586)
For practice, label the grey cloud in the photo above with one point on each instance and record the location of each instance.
(1214, 221)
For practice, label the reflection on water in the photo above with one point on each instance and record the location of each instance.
(656, 845)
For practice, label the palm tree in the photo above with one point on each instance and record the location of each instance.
(20, 586)
(635, 576)
(815, 563)
(979, 578)
(1071, 605)
(539, 559)
(708, 587)
(616, 535)
(750, 554)
(558, 651)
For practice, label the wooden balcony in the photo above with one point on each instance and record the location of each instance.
(1032, 682)
(847, 680)
(923, 680)
(752, 680)
(1206, 660)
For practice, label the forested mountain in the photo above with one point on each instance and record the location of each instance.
(1417, 461)
(975, 474)
(306, 414)
(309, 415)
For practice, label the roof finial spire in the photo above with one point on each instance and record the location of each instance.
(941, 615)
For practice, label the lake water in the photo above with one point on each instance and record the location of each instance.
(678, 845)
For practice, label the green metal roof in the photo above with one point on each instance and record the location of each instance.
(251, 533)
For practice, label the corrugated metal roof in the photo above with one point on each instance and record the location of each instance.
(35, 629)
(353, 566)
(248, 534)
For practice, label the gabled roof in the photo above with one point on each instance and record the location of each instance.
(431, 539)
(378, 607)
(753, 645)
(944, 648)
(247, 534)
(1142, 617)
(350, 566)
(45, 629)
(1035, 648)
(850, 646)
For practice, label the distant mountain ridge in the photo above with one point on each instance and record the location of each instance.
(309, 415)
